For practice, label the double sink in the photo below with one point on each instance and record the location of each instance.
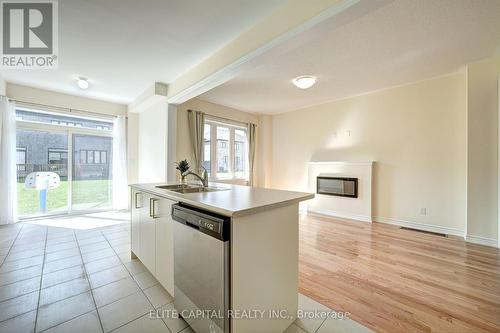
(185, 188)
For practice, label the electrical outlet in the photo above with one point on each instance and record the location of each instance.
(423, 211)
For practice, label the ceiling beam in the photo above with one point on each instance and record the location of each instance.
(154, 94)
(286, 22)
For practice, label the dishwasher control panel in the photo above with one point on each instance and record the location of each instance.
(207, 222)
(210, 225)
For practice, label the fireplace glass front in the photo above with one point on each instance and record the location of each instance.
(339, 186)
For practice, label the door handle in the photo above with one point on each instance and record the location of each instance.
(137, 201)
(152, 212)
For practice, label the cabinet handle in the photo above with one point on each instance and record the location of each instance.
(152, 212)
(137, 200)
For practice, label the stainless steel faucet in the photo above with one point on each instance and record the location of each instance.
(203, 178)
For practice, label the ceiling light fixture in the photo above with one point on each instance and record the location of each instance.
(304, 81)
(83, 83)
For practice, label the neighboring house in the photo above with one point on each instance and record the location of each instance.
(44, 151)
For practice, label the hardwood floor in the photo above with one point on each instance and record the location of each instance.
(394, 280)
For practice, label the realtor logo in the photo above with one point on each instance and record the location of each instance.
(29, 34)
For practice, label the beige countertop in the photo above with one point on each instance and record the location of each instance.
(232, 200)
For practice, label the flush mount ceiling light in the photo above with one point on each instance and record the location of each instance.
(83, 83)
(304, 81)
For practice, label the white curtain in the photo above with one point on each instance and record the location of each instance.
(251, 152)
(8, 177)
(120, 184)
(196, 122)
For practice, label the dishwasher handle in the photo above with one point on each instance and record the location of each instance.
(192, 225)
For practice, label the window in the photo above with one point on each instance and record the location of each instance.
(206, 150)
(92, 179)
(58, 156)
(93, 157)
(240, 153)
(90, 157)
(223, 169)
(21, 158)
(41, 157)
(227, 158)
(83, 157)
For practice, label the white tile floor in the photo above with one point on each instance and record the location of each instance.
(66, 275)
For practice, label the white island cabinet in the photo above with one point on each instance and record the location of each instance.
(152, 238)
(263, 246)
(164, 255)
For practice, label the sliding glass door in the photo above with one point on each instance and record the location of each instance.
(41, 152)
(64, 163)
(92, 172)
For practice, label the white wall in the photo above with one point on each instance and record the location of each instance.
(171, 171)
(482, 150)
(416, 134)
(152, 134)
(55, 99)
(133, 148)
(264, 153)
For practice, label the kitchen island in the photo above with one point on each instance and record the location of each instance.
(262, 252)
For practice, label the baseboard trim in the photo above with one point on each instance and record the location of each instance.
(481, 240)
(332, 213)
(415, 225)
(421, 226)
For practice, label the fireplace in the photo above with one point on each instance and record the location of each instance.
(338, 186)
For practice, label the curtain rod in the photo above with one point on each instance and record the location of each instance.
(70, 110)
(225, 119)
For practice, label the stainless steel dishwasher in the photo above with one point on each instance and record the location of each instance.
(201, 268)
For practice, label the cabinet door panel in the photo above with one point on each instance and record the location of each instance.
(147, 234)
(136, 205)
(165, 246)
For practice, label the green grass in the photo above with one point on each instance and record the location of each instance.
(87, 195)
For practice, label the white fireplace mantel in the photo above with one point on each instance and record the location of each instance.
(359, 208)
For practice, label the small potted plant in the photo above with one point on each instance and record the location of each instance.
(182, 166)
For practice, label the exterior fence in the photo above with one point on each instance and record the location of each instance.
(80, 171)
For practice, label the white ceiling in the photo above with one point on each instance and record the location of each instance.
(400, 42)
(124, 46)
